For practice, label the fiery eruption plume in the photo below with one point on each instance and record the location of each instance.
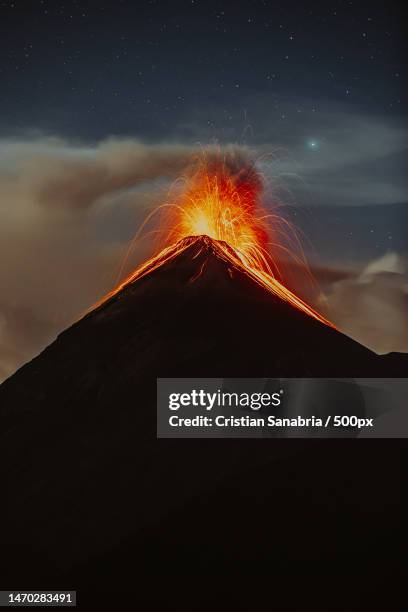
(219, 199)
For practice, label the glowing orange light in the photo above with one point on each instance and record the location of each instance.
(220, 201)
(223, 206)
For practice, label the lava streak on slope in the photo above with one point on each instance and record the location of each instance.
(220, 204)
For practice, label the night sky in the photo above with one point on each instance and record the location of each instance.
(156, 69)
(102, 105)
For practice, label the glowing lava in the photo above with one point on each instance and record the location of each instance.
(220, 202)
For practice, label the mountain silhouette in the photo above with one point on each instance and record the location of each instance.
(193, 315)
(90, 490)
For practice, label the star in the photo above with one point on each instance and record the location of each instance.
(312, 144)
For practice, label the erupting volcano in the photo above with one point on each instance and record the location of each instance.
(220, 202)
(210, 302)
(78, 422)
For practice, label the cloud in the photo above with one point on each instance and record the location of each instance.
(56, 174)
(67, 214)
(372, 306)
(357, 160)
(360, 158)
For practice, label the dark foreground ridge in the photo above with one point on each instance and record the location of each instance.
(92, 494)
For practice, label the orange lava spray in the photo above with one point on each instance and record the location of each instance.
(220, 199)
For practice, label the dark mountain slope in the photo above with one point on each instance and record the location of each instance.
(89, 490)
(193, 316)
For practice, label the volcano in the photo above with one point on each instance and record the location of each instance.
(191, 312)
(91, 491)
